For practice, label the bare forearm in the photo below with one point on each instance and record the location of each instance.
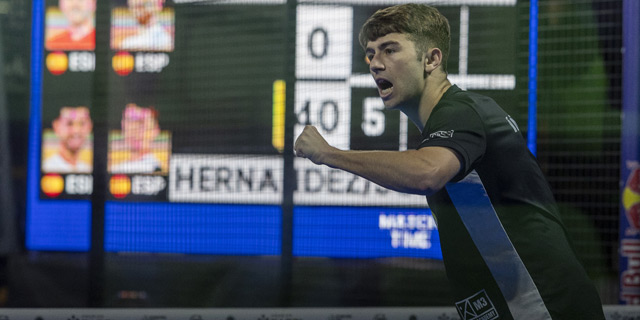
(400, 171)
(423, 171)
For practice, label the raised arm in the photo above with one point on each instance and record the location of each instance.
(423, 171)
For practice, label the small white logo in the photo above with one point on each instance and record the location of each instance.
(513, 123)
(477, 307)
(441, 134)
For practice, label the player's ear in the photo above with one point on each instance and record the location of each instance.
(432, 60)
(156, 130)
(55, 125)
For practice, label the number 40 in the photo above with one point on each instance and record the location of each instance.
(327, 117)
(328, 114)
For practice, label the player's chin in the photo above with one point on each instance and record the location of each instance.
(389, 104)
(75, 145)
(74, 149)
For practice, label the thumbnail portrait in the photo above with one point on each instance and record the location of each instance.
(67, 147)
(144, 25)
(140, 147)
(71, 26)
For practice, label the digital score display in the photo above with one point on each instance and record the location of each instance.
(196, 117)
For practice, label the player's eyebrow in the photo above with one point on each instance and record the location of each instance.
(382, 46)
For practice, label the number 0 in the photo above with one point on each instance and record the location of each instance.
(325, 118)
(322, 33)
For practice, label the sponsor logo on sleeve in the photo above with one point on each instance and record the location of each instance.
(442, 134)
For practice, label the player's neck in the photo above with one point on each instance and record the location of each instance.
(433, 93)
(137, 155)
(80, 31)
(148, 23)
(68, 155)
(434, 89)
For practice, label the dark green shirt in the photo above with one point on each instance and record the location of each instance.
(504, 246)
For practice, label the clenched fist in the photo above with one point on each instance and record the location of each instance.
(311, 145)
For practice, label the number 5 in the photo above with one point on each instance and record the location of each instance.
(373, 119)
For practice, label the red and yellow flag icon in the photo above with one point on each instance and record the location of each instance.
(122, 63)
(120, 186)
(52, 184)
(57, 63)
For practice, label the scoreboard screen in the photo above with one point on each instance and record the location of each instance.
(196, 121)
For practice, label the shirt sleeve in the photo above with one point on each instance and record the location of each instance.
(459, 128)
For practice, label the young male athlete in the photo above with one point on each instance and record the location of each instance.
(80, 33)
(150, 35)
(505, 248)
(73, 128)
(139, 129)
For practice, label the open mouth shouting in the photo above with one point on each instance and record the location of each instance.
(385, 87)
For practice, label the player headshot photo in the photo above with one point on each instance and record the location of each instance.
(71, 25)
(144, 25)
(140, 146)
(68, 146)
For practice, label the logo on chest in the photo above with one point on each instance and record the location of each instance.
(477, 307)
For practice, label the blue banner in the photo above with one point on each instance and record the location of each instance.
(365, 232)
(630, 154)
(228, 229)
